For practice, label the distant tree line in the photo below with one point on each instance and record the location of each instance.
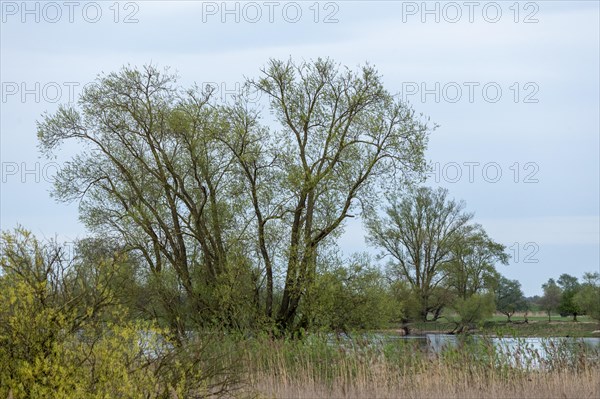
(568, 296)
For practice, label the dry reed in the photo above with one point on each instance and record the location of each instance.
(276, 369)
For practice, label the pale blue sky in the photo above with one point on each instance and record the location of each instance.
(550, 134)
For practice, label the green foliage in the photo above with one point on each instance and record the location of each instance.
(435, 250)
(473, 309)
(551, 299)
(587, 298)
(568, 282)
(64, 334)
(418, 225)
(570, 285)
(567, 305)
(509, 297)
(352, 297)
(472, 269)
(408, 300)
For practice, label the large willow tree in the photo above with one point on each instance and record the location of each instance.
(231, 206)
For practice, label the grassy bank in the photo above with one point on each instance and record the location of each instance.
(543, 329)
(519, 326)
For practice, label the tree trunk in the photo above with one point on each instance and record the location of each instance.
(437, 314)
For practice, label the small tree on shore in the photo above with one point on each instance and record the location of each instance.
(473, 310)
(587, 298)
(551, 299)
(570, 286)
(509, 297)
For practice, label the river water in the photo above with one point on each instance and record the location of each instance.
(547, 352)
(436, 342)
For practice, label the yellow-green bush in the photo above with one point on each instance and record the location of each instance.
(60, 342)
